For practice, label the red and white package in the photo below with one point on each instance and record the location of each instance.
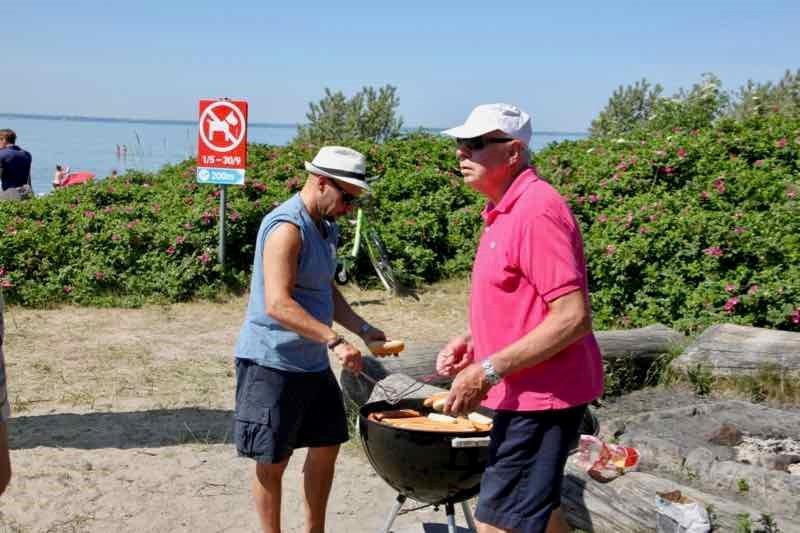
(604, 461)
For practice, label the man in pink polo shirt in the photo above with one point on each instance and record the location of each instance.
(529, 353)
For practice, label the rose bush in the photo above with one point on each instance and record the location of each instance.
(684, 227)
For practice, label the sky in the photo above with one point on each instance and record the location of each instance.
(560, 61)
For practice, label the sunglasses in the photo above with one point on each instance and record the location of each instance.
(349, 199)
(479, 143)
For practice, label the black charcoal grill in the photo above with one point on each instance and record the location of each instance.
(430, 467)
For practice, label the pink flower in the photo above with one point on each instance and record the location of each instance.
(580, 199)
(753, 289)
(593, 198)
(67, 289)
(602, 218)
(2, 270)
(758, 163)
(115, 237)
(730, 287)
(653, 218)
(719, 184)
(731, 304)
(780, 143)
(132, 224)
(89, 214)
(795, 316)
(610, 249)
(622, 166)
(681, 153)
(668, 170)
(791, 193)
(644, 230)
(170, 250)
(234, 216)
(99, 275)
(739, 230)
(714, 251)
(628, 220)
(204, 258)
(108, 209)
(188, 225)
(6, 283)
(260, 187)
(180, 239)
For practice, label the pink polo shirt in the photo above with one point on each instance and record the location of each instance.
(531, 253)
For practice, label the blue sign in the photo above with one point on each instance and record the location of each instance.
(220, 176)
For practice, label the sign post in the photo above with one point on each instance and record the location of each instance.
(222, 150)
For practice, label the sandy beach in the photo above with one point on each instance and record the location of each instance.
(122, 419)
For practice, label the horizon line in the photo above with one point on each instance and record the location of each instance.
(286, 125)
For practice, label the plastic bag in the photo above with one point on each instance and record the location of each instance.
(677, 514)
(604, 461)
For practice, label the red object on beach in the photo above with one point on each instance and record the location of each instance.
(74, 178)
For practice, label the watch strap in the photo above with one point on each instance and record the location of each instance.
(335, 342)
(491, 374)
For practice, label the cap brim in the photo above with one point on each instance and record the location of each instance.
(466, 132)
(352, 181)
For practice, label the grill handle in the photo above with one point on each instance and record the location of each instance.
(469, 442)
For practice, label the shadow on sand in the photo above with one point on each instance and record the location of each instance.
(137, 429)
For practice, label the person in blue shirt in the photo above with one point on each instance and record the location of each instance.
(15, 168)
(286, 394)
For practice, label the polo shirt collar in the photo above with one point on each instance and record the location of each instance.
(518, 186)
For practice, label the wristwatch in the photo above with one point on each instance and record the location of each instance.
(491, 374)
(335, 342)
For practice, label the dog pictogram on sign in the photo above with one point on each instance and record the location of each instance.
(222, 126)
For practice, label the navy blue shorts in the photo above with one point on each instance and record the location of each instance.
(278, 411)
(522, 482)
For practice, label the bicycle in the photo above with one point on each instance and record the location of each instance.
(376, 251)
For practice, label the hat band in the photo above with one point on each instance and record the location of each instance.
(342, 173)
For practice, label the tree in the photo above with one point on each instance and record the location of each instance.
(758, 99)
(628, 108)
(369, 115)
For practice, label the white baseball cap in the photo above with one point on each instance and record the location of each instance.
(486, 118)
(340, 163)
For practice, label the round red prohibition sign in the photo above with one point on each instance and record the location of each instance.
(222, 126)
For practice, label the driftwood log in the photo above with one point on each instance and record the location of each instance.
(729, 350)
(627, 504)
(419, 359)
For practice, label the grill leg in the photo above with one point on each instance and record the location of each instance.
(468, 516)
(393, 514)
(450, 510)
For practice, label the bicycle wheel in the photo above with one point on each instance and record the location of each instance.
(380, 261)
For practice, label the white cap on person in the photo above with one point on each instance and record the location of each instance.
(486, 118)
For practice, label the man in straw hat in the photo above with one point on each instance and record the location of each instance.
(529, 353)
(286, 394)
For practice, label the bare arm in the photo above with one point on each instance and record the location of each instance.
(344, 314)
(569, 319)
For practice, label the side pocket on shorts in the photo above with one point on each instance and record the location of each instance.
(248, 412)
